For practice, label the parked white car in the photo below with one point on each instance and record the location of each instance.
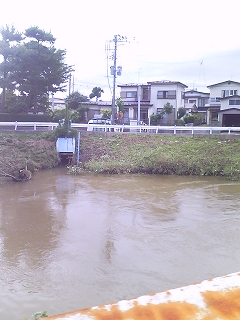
(96, 124)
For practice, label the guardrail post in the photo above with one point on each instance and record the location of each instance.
(35, 126)
(229, 130)
(15, 125)
(210, 131)
(174, 130)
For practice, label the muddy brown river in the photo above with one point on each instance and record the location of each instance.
(73, 242)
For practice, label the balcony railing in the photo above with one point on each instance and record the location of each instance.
(212, 100)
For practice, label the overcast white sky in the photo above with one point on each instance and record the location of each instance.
(194, 42)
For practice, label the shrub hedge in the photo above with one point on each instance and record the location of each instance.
(7, 117)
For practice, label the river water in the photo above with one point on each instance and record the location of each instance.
(71, 242)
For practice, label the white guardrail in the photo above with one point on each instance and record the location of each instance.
(120, 128)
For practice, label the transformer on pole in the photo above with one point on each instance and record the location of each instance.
(115, 71)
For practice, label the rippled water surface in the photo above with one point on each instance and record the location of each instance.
(73, 242)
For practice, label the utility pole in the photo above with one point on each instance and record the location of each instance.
(70, 84)
(73, 85)
(139, 103)
(115, 71)
(114, 78)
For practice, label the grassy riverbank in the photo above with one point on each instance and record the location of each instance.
(128, 153)
(155, 154)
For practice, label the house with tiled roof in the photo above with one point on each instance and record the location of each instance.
(95, 108)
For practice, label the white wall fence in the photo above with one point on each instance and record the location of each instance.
(45, 126)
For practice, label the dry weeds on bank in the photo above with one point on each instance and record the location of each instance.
(19, 152)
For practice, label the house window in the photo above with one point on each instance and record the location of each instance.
(145, 93)
(170, 94)
(131, 94)
(217, 99)
(234, 102)
(227, 93)
(144, 114)
(192, 101)
(202, 102)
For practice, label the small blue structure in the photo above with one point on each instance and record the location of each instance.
(66, 146)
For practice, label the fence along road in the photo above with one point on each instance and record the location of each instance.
(46, 126)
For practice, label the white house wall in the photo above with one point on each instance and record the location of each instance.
(225, 104)
(124, 90)
(159, 103)
(216, 90)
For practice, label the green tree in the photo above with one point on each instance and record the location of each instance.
(189, 119)
(8, 45)
(79, 115)
(106, 113)
(120, 110)
(59, 115)
(13, 103)
(181, 112)
(197, 119)
(38, 68)
(76, 107)
(155, 118)
(75, 99)
(120, 105)
(96, 92)
(167, 109)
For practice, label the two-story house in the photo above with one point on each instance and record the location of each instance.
(194, 99)
(151, 98)
(224, 103)
(133, 96)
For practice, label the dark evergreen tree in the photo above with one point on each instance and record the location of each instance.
(96, 92)
(40, 68)
(34, 67)
(8, 46)
(74, 100)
